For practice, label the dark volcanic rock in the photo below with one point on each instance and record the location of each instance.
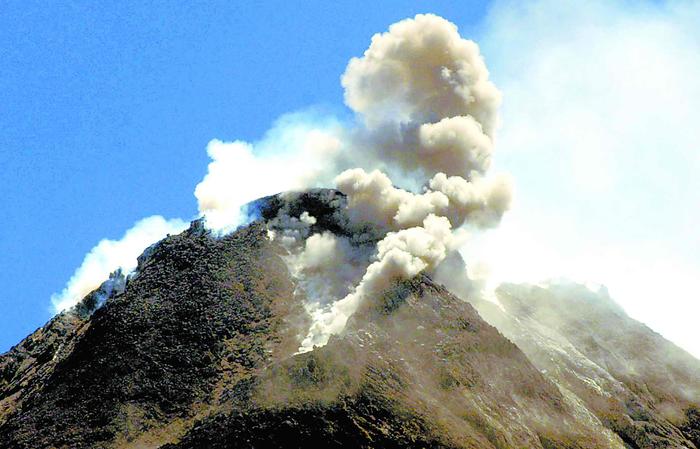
(198, 350)
(199, 308)
(419, 369)
(327, 205)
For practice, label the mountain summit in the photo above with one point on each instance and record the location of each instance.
(200, 348)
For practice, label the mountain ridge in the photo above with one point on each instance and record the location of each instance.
(199, 349)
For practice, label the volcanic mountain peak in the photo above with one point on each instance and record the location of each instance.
(199, 348)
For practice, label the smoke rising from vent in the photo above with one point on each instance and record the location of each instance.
(400, 255)
(427, 112)
(296, 153)
(424, 106)
(374, 199)
(110, 255)
(413, 165)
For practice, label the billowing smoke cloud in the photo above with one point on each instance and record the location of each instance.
(428, 114)
(400, 255)
(374, 199)
(110, 255)
(425, 106)
(326, 266)
(421, 71)
(413, 166)
(293, 155)
(425, 98)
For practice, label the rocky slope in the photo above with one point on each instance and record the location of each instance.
(198, 349)
(640, 385)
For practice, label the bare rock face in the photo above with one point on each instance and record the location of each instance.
(201, 312)
(198, 349)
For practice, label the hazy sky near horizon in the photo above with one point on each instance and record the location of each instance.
(105, 114)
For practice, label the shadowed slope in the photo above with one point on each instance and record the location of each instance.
(198, 350)
(202, 312)
(418, 368)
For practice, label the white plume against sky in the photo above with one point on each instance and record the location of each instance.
(293, 154)
(427, 109)
(109, 255)
(297, 152)
(598, 129)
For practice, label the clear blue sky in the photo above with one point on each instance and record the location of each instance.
(106, 109)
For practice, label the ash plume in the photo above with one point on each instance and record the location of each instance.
(424, 106)
(427, 114)
(413, 166)
(425, 100)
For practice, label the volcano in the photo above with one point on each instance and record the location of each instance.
(199, 348)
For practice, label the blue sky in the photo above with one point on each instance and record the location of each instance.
(106, 112)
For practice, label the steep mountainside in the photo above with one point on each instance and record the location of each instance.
(200, 313)
(640, 385)
(418, 369)
(199, 349)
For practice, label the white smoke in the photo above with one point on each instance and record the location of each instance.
(424, 97)
(293, 155)
(421, 71)
(400, 255)
(425, 105)
(109, 255)
(328, 267)
(373, 198)
(428, 114)
(600, 130)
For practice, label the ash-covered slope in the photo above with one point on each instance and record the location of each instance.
(641, 386)
(418, 368)
(199, 349)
